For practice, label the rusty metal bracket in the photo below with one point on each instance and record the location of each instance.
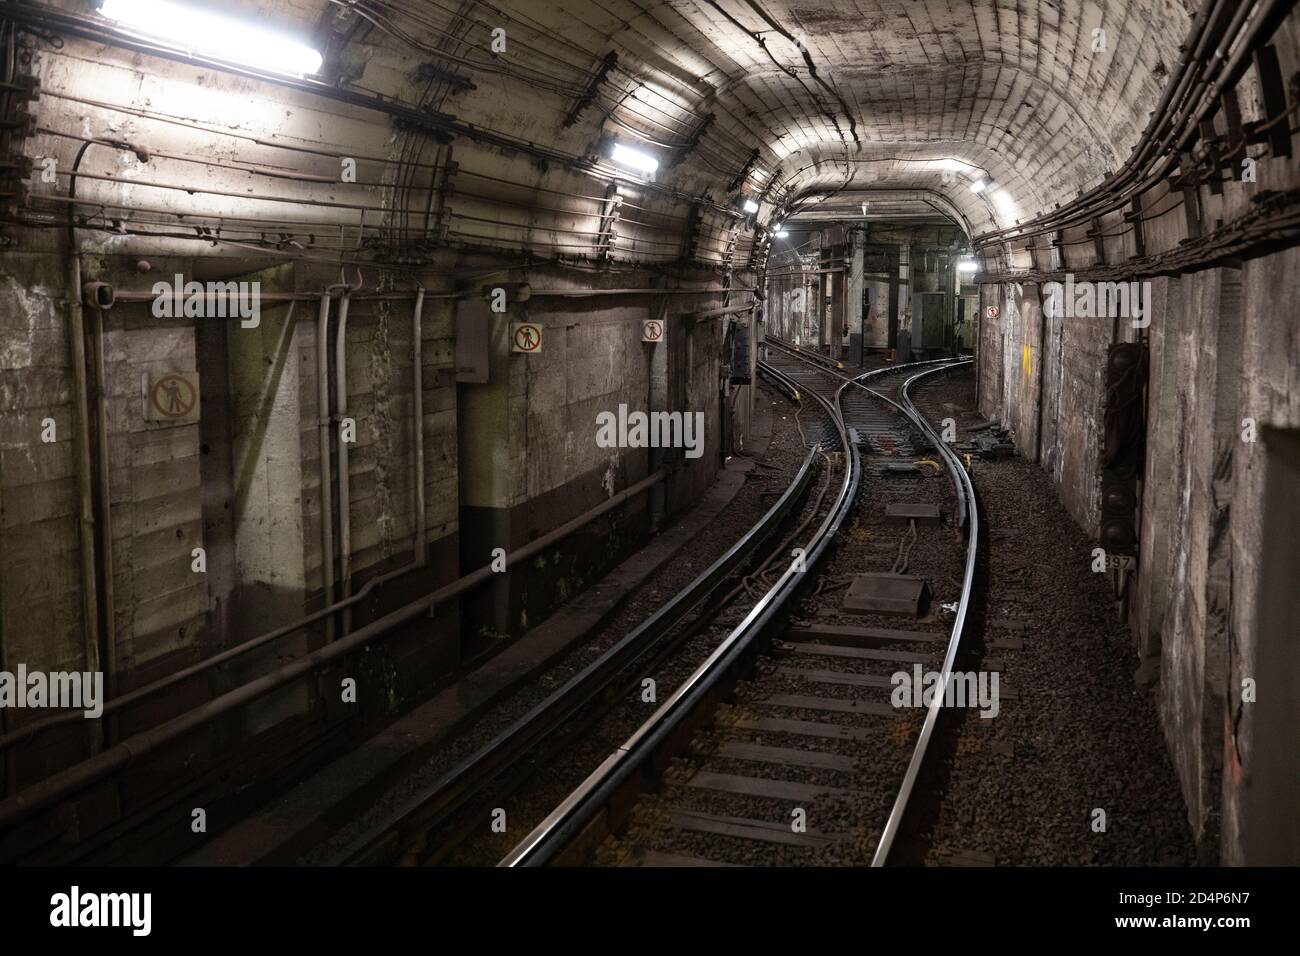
(440, 193)
(457, 82)
(593, 87)
(694, 224)
(1235, 150)
(729, 250)
(1212, 150)
(1096, 234)
(744, 172)
(1057, 242)
(1273, 92)
(607, 237)
(1191, 197)
(1134, 218)
(694, 140)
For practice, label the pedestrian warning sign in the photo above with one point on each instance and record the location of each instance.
(171, 397)
(526, 337)
(652, 330)
(991, 312)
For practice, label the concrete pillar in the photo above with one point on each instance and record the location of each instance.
(913, 314)
(657, 372)
(832, 326)
(1193, 672)
(891, 304)
(1156, 504)
(854, 296)
(487, 450)
(268, 522)
(906, 333)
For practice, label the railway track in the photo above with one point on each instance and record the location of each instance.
(430, 826)
(809, 762)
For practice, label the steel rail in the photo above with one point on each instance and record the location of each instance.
(965, 497)
(560, 826)
(453, 790)
(968, 516)
(905, 409)
(550, 837)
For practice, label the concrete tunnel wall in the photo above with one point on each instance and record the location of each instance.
(1222, 355)
(1223, 349)
(1203, 606)
(243, 481)
(505, 460)
(504, 190)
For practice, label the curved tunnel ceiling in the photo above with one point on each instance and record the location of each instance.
(812, 107)
(1042, 100)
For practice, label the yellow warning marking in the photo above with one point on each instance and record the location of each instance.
(929, 461)
(1027, 361)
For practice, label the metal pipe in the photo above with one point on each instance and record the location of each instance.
(588, 293)
(417, 402)
(326, 458)
(90, 771)
(461, 585)
(105, 515)
(140, 296)
(719, 313)
(805, 272)
(345, 496)
(85, 492)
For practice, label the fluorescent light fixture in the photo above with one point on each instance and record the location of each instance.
(979, 185)
(782, 233)
(634, 158)
(751, 206)
(215, 35)
(967, 265)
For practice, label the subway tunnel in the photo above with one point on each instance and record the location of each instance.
(616, 433)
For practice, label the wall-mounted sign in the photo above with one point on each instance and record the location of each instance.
(171, 397)
(992, 312)
(526, 337)
(1120, 562)
(652, 330)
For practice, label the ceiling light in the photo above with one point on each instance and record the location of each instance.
(634, 158)
(967, 265)
(979, 186)
(782, 233)
(215, 35)
(751, 206)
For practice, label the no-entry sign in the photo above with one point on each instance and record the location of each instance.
(171, 397)
(526, 337)
(652, 330)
